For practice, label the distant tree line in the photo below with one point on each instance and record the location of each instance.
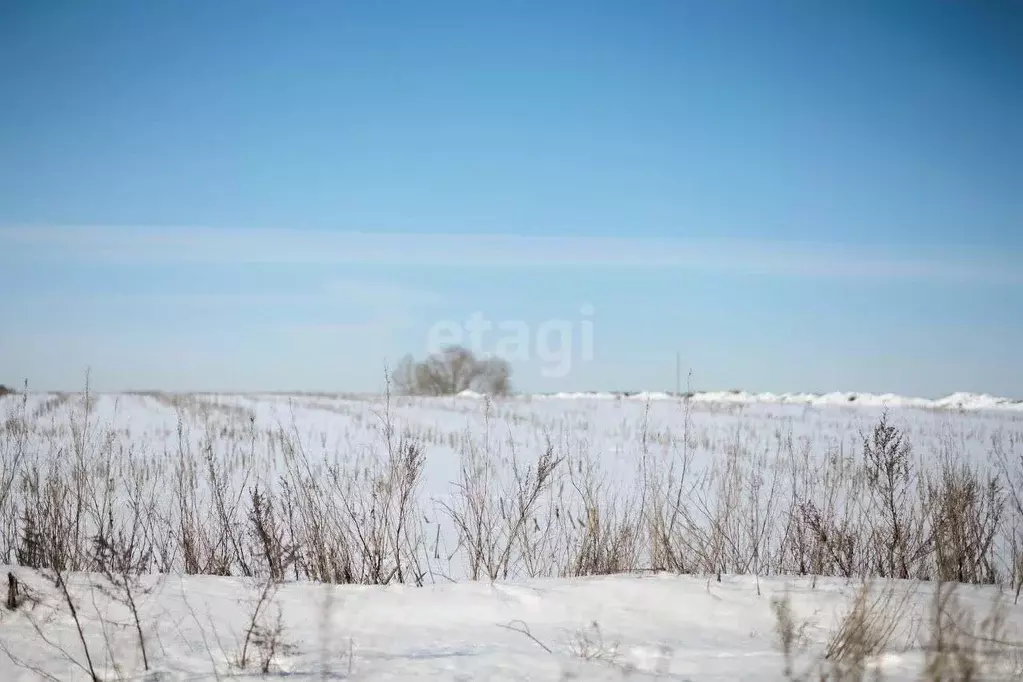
(451, 371)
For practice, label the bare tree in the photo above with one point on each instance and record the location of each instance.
(452, 370)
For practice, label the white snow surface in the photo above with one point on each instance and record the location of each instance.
(652, 626)
(955, 401)
(639, 627)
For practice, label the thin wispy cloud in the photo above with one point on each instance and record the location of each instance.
(379, 292)
(240, 246)
(380, 324)
(333, 292)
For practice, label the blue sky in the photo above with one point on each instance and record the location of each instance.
(795, 196)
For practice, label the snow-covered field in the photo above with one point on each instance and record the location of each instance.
(598, 628)
(642, 535)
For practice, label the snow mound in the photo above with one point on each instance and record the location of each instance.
(654, 627)
(956, 401)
